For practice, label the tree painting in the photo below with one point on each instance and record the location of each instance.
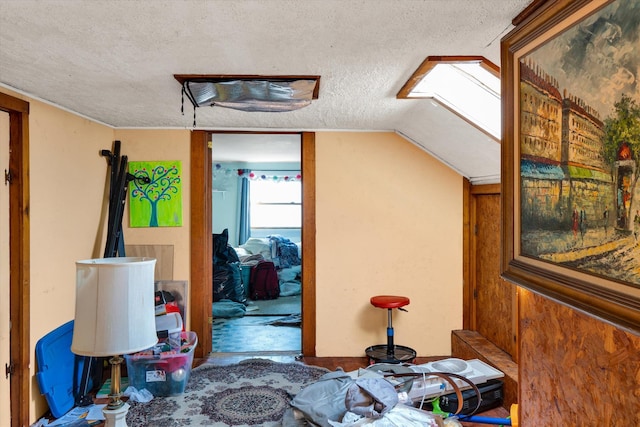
(155, 194)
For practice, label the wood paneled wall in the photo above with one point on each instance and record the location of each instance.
(575, 369)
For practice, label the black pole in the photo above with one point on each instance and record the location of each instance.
(118, 183)
(114, 226)
(83, 398)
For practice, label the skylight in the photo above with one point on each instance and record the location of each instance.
(468, 86)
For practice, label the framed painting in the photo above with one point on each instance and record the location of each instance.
(155, 197)
(571, 156)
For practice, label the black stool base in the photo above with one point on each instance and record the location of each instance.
(379, 354)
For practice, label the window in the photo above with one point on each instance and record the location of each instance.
(275, 204)
(467, 85)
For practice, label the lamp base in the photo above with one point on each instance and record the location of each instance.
(116, 417)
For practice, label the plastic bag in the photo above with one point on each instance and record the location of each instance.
(324, 399)
(371, 397)
(227, 282)
(222, 252)
(399, 416)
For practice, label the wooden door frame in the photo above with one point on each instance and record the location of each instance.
(469, 246)
(19, 258)
(202, 247)
(469, 262)
(201, 294)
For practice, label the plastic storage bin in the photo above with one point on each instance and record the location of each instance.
(165, 374)
(245, 274)
(59, 370)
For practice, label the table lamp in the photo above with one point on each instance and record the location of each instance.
(115, 315)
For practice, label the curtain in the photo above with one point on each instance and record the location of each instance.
(245, 223)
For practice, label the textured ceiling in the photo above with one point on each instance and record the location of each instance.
(114, 61)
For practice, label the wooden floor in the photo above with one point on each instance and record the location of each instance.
(333, 363)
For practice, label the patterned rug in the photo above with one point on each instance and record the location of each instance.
(252, 392)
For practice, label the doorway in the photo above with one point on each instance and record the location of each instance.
(256, 204)
(201, 246)
(17, 176)
(5, 356)
(491, 302)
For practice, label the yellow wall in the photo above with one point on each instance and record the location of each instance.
(156, 145)
(68, 179)
(389, 221)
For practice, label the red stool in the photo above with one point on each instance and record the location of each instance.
(390, 353)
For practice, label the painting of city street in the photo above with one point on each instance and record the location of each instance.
(579, 146)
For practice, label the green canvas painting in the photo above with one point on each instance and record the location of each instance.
(155, 194)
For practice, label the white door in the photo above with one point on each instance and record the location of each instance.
(5, 401)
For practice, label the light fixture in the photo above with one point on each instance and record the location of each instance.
(469, 86)
(249, 92)
(115, 315)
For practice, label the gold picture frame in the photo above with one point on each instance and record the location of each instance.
(568, 182)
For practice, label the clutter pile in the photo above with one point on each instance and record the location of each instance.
(262, 268)
(398, 395)
(165, 368)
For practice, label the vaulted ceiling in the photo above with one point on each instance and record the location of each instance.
(114, 62)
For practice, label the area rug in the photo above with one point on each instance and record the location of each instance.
(250, 393)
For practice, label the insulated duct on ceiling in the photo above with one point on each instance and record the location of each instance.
(250, 93)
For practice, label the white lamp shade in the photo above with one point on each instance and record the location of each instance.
(115, 306)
